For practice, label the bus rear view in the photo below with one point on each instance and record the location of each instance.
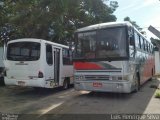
(23, 63)
(38, 63)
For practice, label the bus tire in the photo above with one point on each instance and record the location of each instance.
(152, 72)
(137, 85)
(2, 81)
(66, 84)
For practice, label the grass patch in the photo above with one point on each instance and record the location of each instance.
(157, 75)
(157, 94)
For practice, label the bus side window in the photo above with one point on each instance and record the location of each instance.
(131, 38)
(150, 48)
(132, 46)
(147, 46)
(144, 45)
(140, 44)
(49, 55)
(132, 43)
(67, 57)
(141, 41)
(137, 41)
(153, 49)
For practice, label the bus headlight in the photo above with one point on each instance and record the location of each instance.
(79, 77)
(120, 78)
(115, 78)
(125, 77)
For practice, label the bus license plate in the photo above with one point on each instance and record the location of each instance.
(21, 83)
(97, 84)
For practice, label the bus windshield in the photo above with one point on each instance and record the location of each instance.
(109, 43)
(23, 51)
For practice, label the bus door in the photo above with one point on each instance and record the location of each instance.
(56, 64)
(49, 68)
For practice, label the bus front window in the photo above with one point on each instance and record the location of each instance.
(108, 43)
(111, 43)
(86, 45)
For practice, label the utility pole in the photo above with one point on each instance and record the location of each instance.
(154, 31)
(157, 53)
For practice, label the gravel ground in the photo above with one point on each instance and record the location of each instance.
(69, 104)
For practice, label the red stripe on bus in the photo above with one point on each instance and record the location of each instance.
(87, 66)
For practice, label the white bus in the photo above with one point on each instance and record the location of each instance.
(37, 63)
(112, 57)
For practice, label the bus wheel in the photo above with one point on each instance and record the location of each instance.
(152, 73)
(137, 84)
(66, 84)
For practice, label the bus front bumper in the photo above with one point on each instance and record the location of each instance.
(104, 86)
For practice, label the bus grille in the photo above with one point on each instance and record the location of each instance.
(97, 77)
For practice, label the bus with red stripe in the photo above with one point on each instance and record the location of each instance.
(112, 57)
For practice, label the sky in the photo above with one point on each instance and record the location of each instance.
(144, 12)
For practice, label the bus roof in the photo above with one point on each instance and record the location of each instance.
(106, 25)
(103, 25)
(38, 40)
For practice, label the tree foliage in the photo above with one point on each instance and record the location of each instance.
(53, 20)
(133, 23)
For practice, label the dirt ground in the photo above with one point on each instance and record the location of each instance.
(58, 103)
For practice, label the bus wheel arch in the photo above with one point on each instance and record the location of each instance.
(152, 72)
(66, 83)
(137, 81)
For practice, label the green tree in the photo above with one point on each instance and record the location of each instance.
(133, 23)
(136, 25)
(99, 11)
(54, 20)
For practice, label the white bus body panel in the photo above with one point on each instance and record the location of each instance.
(24, 74)
(67, 71)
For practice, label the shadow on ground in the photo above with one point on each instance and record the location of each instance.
(102, 105)
(90, 105)
(33, 92)
(110, 103)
